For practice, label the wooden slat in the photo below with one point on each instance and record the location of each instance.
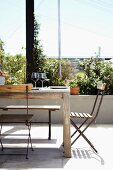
(77, 114)
(72, 114)
(89, 115)
(31, 107)
(81, 115)
(32, 95)
(85, 115)
(14, 118)
(15, 88)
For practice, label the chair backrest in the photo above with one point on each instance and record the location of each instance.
(15, 88)
(99, 97)
(17, 91)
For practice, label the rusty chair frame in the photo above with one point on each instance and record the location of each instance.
(87, 118)
(25, 118)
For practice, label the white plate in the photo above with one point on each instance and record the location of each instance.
(58, 87)
(35, 88)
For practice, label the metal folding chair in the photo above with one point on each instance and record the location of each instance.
(87, 118)
(25, 118)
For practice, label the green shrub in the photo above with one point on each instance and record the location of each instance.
(91, 71)
(15, 67)
(95, 69)
(52, 70)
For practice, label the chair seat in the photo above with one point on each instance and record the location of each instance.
(80, 115)
(15, 118)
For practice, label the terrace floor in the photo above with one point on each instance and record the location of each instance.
(49, 154)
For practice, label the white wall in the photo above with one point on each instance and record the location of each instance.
(78, 103)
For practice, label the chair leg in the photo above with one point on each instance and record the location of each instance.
(30, 136)
(78, 127)
(49, 136)
(81, 134)
(1, 138)
(29, 140)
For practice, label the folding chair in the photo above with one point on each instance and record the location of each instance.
(87, 118)
(15, 91)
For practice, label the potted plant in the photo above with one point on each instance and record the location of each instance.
(74, 88)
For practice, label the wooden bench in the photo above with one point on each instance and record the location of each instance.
(17, 88)
(49, 108)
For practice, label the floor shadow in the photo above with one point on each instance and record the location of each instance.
(39, 158)
(86, 153)
(46, 154)
(17, 141)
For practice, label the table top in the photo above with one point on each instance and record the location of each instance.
(39, 93)
(50, 89)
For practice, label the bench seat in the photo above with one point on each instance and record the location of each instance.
(14, 117)
(32, 107)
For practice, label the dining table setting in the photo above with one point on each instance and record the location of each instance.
(52, 92)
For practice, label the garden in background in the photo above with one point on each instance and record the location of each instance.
(89, 73)
(86, 74)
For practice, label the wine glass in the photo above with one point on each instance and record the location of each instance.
(42, 77)
(35, 77)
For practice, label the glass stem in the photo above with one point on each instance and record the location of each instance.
(42, 83)
(35, 84)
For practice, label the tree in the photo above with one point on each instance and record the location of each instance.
(15, 69)
(38, 56)
(51, 68)
(1, 52)
(95, 70)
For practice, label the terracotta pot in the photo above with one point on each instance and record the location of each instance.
(74, 90)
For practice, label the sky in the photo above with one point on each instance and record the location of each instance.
(86, 27)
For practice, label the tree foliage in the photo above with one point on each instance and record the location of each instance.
(2, 53)
(52, 70)
(95, 69)
(15, 69)
(38, 56)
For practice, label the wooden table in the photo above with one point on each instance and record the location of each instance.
(61, 94)
(64, 95)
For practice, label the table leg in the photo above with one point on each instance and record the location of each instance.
(66, 125)
(49, 136)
